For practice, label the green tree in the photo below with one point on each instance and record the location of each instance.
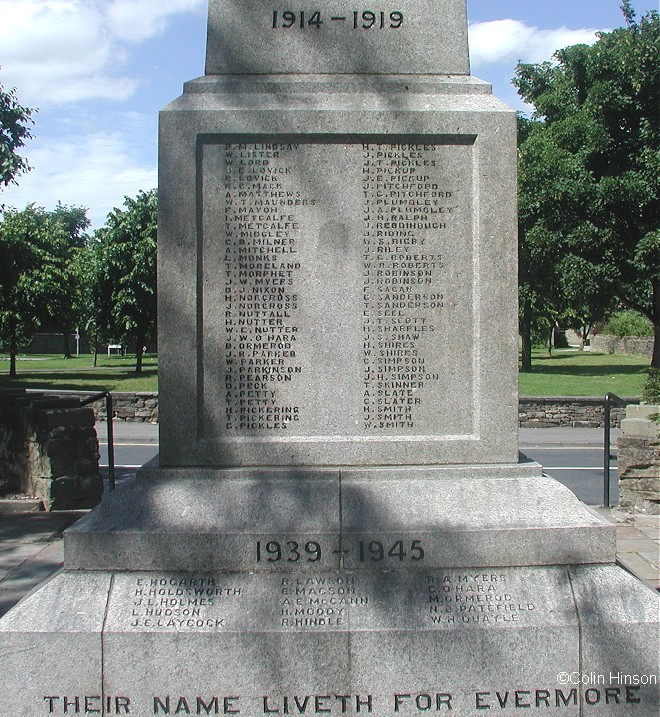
(15, 121)
(95, 307)
(536, 260)
(126, 264)
(65, 304)
(32, 242)
(600, 129)
(66, 301)
(545, 266)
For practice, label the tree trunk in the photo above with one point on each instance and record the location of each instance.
(552, 332)
(13, 351)
(96, 351)
(66, 344)
(584, 335)
(526, 338)
(139, 350)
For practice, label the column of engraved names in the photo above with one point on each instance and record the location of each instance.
(181, 602)
(476, 597)
(404, 215)
(261, 273)
(319, 602)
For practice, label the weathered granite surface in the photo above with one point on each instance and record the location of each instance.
(339, 522)
(223, 520)
(503, 639)
(414, 37)
(250, 372)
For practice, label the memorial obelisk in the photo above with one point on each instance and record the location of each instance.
(339, 521)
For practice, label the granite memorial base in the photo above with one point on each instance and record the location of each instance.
(457, 642)
(351, 594)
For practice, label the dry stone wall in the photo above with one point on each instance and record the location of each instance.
(49, 449)
(533, 411)
(629, 345)
(639, 460)
(573, 411)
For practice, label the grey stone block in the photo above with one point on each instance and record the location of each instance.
(249, 520)
(339, 522)
(321, 125)
(51, 648)
(620, 631)
(505, 522)
(415, 37)
(205, 522)
(341, 642)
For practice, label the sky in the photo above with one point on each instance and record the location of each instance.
(98, 71)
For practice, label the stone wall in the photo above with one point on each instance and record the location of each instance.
(136, 407)
(639, 460)
(49, 449)
(534, 411)
(630, 345)
(574, 411)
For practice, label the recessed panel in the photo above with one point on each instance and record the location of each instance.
(337, 289)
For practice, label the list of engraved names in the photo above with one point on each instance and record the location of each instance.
(337, 275)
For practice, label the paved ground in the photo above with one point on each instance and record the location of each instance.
(637, 544)
(31, 542)
(30, 551)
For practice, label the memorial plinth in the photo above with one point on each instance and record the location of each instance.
(339, 521)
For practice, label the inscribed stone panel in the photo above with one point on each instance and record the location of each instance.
(337, 289)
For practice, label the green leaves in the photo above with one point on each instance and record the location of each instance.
(589, 169)
(125, 263)
(36, 280)
(15, 121)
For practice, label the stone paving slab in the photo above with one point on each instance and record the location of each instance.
(31, 551)
(15, 553)
(650, 532)
(638, 544)
(35, 527)
(8, 505)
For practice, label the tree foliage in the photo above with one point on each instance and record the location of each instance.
(628, 323)
(15, 121)
(560, 280)
(590, 168)
(67, 302)
(124, 256)
(33, 248)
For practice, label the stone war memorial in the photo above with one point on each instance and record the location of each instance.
(339, 521)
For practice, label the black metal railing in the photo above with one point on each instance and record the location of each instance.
(111, 440)
(610, 400)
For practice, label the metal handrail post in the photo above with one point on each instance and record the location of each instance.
(111, 441)
(606, 450)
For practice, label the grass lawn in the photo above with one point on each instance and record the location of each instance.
(113, 373)
(565, 373)
(569, 372)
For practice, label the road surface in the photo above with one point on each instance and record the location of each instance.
(573, 456)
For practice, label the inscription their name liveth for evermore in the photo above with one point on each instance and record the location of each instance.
(279, 230)
(404, 703)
